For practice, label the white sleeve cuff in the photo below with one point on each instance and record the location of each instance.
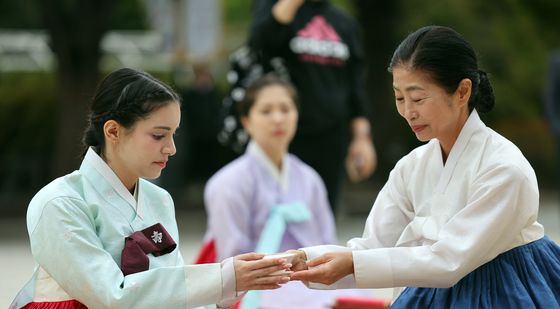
(367, 275)
(229, 294)
(204, 284)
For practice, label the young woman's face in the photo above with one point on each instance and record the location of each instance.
(143, 151)
(428, 109)
(272, 120)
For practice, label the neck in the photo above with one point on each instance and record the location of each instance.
(276, 156)
(447, 143)
(128, 181)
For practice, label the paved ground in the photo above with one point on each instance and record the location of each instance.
(16, 263)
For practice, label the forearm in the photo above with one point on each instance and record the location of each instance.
(360, 128)
(284, 11)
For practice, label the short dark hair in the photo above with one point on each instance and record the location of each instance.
(448, 58)
(255, 88)
(125, 96)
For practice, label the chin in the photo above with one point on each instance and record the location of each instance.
(152, 176)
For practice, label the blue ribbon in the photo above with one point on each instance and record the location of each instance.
(271, 237)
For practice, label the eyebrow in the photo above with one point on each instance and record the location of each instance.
(410, 88)
(163, 128)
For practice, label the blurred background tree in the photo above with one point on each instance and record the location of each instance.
(513, 38)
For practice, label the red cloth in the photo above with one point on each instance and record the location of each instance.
(353, 302)
(207, 253)
(67, 304)
(153, 239)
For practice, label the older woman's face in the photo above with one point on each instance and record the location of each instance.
(428, 109)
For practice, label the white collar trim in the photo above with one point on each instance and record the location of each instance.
(105, 170)
(281, 176)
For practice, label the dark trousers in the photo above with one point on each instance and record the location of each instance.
(325, 152)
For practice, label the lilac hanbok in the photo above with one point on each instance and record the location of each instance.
(239, 199)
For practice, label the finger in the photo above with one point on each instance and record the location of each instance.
(267, 263)
(267, 271)
(250, 256)
(306, 275)
(271, 280)
(318, 261)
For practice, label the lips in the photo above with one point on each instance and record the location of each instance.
(417, 129)
(162, 164)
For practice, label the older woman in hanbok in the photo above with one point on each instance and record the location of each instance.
(456, 222)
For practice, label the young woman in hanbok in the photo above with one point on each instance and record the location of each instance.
(104, 237)
(268, 200)
(456, 222)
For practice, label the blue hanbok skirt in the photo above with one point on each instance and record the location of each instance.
(524, 277)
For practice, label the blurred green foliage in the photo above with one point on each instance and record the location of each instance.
(513, 39)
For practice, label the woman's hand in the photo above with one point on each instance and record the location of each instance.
(299, 260)
(252, 272)
(327, 269)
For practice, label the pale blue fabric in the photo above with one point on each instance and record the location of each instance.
(272, 235)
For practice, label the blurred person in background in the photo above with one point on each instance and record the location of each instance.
(456, 222)
(323, 54)
(104, 237)
(246, 198)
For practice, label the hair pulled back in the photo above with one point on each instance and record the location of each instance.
(125, 96)
(448, 58)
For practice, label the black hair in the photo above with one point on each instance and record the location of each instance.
(448, 58)
(125, 96)
(257, 85)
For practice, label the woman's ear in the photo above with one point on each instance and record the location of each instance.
(464, 91)
(112, 131)
(245, 123)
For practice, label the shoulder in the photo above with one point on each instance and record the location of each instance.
(233, 174)
(501, 153)
(69, 186)
(152, 189)
(304, 172)
(301, 168)
(65, 193)
(418, 154)
(341, 17)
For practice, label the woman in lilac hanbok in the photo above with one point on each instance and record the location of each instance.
(268, 200)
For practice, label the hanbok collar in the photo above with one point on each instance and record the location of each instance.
(93, 159)
(281, 176)
(472, 125)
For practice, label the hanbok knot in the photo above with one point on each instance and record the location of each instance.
(153, 239)
(272, 235)
(280, 215)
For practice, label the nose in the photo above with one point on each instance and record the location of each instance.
(278, 117)
(170, 149)
(410, 112)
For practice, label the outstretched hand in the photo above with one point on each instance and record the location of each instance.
(252, 272)
(327, 268)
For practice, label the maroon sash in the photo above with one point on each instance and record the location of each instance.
(153, 239)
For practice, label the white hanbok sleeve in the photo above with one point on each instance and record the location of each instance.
(501, 203)
(388, 217)
(65, 244)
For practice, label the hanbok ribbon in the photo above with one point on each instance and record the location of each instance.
(153, 239)
(271, 237)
